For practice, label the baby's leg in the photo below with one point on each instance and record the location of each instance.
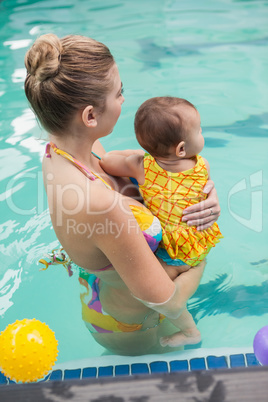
(188, 334)
(185, 286)
(187, 283)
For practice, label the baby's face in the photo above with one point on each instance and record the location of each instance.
(194, 142)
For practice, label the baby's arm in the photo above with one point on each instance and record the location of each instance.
(127, 152)
(124, 164)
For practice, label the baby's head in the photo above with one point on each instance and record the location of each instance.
(162, 123)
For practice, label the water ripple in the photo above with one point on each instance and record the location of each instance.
(8, 286)
(18, 44)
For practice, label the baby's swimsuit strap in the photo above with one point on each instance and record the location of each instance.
(88, 173)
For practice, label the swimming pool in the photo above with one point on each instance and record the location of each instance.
(215, 55)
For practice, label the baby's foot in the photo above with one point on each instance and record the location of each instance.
(189, 337)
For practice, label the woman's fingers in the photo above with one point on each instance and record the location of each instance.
(203, 214)
(202, 207)
(208, 187)
(204, 223)
(201, 225)
(204, 227)
(211, 202)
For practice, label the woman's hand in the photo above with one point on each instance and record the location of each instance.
(205, 213)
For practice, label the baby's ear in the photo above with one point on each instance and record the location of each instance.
(88, 117)
(180, 150)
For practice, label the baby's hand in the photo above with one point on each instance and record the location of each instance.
(172, 270)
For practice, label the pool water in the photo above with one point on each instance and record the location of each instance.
(211, 53)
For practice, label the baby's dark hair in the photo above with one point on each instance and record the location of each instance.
(159, 126)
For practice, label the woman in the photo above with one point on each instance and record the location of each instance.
(75, 90)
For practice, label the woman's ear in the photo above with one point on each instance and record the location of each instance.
(180, 150)
(88, 117)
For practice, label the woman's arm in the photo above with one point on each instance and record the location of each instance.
(125, 247)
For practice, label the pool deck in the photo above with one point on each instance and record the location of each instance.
(224, 374)
(240, 384)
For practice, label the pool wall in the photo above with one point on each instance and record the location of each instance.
(189, 360)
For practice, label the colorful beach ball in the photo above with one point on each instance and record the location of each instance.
(260, 345)
(28, 350)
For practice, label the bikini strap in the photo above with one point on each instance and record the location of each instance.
(48, 150)
(75, 162)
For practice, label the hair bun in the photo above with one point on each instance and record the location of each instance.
(43, 59)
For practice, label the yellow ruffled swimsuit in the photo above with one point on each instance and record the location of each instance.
(167, 194)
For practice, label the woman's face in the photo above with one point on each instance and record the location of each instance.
(114, 101)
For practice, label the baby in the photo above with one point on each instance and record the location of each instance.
(171, 177)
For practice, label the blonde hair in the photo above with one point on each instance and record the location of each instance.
(64, 76)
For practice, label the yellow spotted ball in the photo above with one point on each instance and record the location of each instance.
(28, 350)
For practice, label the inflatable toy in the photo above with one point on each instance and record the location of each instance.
(28, 350)
(260, 345)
